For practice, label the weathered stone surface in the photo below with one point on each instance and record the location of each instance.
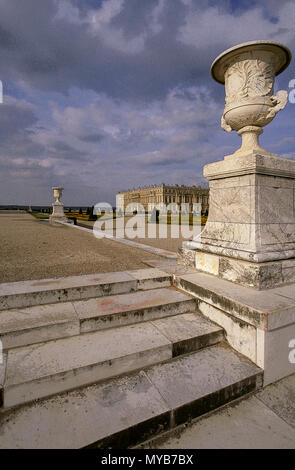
(251, 208)
(259, 324)
(285, 291)
(179, 269)
(246, 273)
(55, 366)
(161, 263)
(226, 367)
(189, 332)
(260, 348)
(45, 291)
(258, 275)
(206, 262)
(20, 327)
(230, 199)
(288, 271)
(3, 362)
(251, 306)
(80, 418)
(48, 368)
(217, 368)
(186, 257)
(229, 234)
(252, 164)
(151, 278)
(276, 353)
(238, 253)
(239, 334)
(116, 310)
(280, 397)
(127, 410)
(248, 424)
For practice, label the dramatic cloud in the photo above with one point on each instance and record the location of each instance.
(105, 95)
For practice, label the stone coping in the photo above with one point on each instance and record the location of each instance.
(247, 164)
(267, 310)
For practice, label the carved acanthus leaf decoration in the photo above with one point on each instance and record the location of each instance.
(247, 79)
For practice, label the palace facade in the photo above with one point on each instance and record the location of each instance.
(164, 194)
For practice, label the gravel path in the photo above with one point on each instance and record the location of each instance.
(31, 249)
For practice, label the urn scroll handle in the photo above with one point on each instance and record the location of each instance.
(279, 102)
(226, 127)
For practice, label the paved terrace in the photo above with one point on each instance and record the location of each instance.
(33, 249)
(264, 420)
(169, 243)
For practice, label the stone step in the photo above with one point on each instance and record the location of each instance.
(52, 367)
(25, 326)
(125, 411)
(46, 291)
(117, 310)
(21, 327)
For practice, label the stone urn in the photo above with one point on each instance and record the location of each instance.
(248, 71)
(57, 192)
(58, 207)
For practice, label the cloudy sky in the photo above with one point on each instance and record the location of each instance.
(104, 95)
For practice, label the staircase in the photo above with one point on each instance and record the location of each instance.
(109, 360)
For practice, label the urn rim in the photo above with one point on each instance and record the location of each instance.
(218, 65)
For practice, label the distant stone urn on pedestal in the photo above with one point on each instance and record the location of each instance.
(248, 71)
(58, 207)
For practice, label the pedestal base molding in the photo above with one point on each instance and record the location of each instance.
(257, 275)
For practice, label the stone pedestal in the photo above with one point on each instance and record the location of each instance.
(57, 213)
(249, 237)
